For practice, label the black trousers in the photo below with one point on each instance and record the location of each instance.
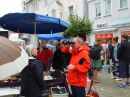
(78, 91)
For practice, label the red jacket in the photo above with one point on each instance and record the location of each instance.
(78, 76)
(44, 56)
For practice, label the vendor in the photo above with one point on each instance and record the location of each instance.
(44, 54)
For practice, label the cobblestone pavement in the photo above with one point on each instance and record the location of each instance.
(108, 87)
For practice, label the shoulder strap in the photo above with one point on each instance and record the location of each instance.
(91, 84)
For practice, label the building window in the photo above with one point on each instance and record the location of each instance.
(123, 4)
(54, 13)
(33, 7)
(36, 5)
(61, 15)
(24, 5)
(98, 9)
(71, 10)
(45, 3)
(107, 7)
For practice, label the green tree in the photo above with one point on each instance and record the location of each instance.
(78, 26)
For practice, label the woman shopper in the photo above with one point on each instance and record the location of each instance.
(115, 66)
(96, 63)
(32, 83)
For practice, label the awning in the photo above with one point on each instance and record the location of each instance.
(119, 21)
(105, 30)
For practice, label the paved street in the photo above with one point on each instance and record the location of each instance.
(108, 87)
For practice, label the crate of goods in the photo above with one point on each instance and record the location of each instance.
(62, 92)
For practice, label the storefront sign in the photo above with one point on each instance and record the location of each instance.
(126, 32)
(110, 35)
(101, 25)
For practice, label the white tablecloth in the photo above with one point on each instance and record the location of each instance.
(7, 92)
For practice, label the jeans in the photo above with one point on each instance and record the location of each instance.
(124, 69)
(78, 91)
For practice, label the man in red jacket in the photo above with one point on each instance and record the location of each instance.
(78, 67)
(44, 54)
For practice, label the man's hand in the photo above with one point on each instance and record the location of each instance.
(67, 45)
(71, 67)
(41, 48)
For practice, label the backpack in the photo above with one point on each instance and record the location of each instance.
(95, 52)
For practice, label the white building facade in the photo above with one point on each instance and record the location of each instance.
(57, 8)
(111, 18)
(24, 6)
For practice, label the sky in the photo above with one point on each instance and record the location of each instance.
(7, 6)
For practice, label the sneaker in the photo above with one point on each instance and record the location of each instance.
(121, 86)
(128, 83)
(118, 79)
(113, 78)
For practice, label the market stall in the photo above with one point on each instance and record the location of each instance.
(33, 24)
(18, 41)
(13, 84)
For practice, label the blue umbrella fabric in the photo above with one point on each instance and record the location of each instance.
(52, 36)
(32, 23)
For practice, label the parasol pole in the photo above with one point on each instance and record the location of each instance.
(34, 37)
(35, 27)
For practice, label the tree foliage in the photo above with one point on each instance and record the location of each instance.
(78, 26)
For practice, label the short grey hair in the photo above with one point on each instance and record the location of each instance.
(79, 40)
(28, 49)
(87, 43)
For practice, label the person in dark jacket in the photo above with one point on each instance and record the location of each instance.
(32, 83)
(123, 56)
(60, 59)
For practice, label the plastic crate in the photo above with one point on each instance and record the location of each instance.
(53, 89)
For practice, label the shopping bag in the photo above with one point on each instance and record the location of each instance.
(92, 93)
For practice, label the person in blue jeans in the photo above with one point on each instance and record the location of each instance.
(123, 56)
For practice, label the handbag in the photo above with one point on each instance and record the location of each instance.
(92, 93)
(44, 64)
